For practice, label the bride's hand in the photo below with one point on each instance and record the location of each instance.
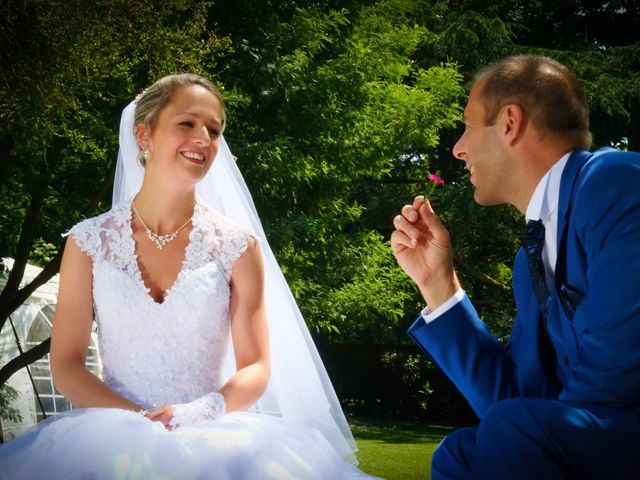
(422, 248)
(208, 407)
(163, 415)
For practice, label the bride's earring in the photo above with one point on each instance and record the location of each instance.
(145, 156)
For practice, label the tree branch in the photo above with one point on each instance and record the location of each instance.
(27, 358)
(27, 237)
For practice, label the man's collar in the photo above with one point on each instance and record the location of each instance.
(544, 200)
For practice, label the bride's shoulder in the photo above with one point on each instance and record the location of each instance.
(117, 216)
(93, 234)
(215, 222)
(223, 238)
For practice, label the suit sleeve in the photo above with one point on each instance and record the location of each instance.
(606, 324)
(462, 346)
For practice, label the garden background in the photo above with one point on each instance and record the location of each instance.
(337, 112)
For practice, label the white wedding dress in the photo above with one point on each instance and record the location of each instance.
(158, 354)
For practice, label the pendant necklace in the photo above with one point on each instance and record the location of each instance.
(161, 241)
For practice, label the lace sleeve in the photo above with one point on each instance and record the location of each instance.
(224, 240)
(235, 245)
(102, 236)
(86, 237)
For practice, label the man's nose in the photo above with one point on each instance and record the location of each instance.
(459, 150)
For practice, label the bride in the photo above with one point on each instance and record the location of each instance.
(209, 370)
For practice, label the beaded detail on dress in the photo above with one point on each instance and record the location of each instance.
(149, 349)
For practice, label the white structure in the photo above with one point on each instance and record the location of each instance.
(32, 323)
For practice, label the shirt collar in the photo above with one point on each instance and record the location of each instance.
(544, 200)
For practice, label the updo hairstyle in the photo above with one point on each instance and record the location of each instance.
(152, 100)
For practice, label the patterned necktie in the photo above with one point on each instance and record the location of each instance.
(533, 244)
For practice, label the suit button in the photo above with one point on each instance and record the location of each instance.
(566, 360)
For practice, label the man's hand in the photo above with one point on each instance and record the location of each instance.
(422, 248)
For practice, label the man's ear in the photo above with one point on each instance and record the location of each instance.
(142, 136)
(513, 123)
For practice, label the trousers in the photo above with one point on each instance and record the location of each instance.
(528, 438)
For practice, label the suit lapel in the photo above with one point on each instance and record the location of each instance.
(567, 182)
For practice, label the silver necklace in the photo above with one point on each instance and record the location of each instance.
(161, 241)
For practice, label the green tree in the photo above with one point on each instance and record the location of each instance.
(327, 103)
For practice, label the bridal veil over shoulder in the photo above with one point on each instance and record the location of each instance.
(299, 388)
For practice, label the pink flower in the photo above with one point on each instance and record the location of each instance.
(435, 182)
(435, 179)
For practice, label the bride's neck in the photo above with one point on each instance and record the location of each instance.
(164, 210)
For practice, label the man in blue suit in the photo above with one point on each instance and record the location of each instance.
(562, 400)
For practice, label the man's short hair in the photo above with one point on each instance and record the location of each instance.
(547, 91)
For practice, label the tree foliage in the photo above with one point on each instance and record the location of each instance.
(339, 100)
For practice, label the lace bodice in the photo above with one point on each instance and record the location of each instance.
(157, 354)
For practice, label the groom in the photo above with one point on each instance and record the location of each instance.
(562, 400)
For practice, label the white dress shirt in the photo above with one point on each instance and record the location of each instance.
(543, 205)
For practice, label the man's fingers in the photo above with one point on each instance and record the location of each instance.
(410, 213)
(410, 225)
(402, 224)
(432, 221)
(400, 241)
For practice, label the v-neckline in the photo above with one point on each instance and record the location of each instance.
(138, 271)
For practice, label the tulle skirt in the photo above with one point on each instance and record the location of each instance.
(105, 443)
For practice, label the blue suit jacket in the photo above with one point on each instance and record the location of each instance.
(589, 348)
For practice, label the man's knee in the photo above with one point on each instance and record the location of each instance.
(556, 439)
(512, 418)
(453, 457)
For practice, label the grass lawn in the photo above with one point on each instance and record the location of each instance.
(396, 450)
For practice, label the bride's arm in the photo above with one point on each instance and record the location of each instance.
(249, 331)
(71, 334)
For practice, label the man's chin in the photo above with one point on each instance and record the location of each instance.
(485, 200)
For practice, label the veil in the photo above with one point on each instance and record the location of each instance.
(299, 388)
